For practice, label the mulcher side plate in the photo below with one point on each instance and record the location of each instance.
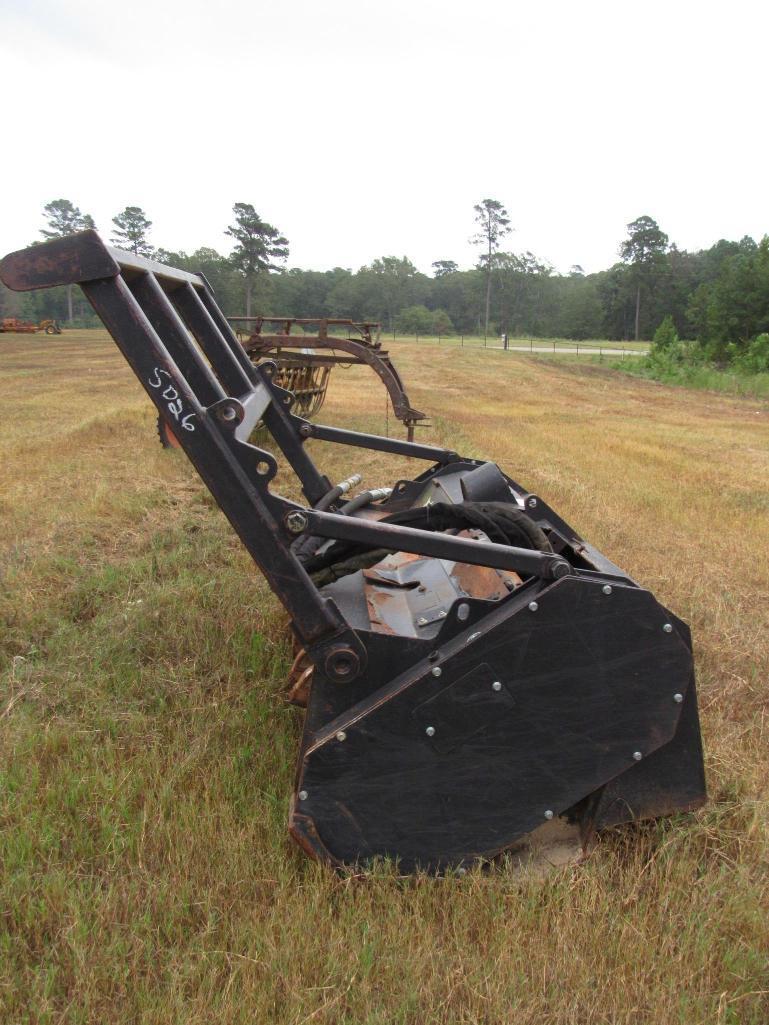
(439, 768)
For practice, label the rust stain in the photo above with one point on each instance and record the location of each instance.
(483, 581)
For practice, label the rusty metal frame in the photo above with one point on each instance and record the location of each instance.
(366, 349)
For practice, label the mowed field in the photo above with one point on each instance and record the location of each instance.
(147, 755)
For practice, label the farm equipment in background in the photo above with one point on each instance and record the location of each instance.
(305, 371)
(12, 325)
(51, 327)
(473, 670)
(298, 354)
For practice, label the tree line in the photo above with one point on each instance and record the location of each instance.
(717, 296)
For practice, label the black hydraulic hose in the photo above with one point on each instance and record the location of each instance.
(364, 498)
(313, 543)
(302, 543)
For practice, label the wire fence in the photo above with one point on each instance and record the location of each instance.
(565, 346)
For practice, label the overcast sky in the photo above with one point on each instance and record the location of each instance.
(364, 128)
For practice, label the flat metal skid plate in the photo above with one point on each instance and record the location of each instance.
(434, 770)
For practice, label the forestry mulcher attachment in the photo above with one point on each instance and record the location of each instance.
(472, 667)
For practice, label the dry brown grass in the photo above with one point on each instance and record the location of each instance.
(145, 871)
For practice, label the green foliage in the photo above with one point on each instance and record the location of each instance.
(733, 307)
(418, 320)
(719, 297)
(645, 245)
(414, 320)
(494, 223)
(441, 323)
(259, 247)
(64, 218)
(130, 231)
(666, 336)
(644, 251)
(754, 359)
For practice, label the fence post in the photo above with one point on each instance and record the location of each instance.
(463, 342)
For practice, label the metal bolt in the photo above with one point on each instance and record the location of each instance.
(668, 628)
(532, 503)
(678, 698)
(296, 522)
(430, 731)
(305, 430)
(421, 621)
(606, 588)
(637, 756)
(341, 735)
(436, 671)
(533, 606)
(496, 685)
(302, 795)
(548, 814)
(228, 413)
(463, 611)
(441, 614)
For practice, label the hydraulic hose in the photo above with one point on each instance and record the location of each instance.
(312, 544)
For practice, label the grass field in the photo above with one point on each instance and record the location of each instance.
(147, 757)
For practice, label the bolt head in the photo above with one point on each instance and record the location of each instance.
(296, 522)
(341, 735)
(532, 503)
(496, 685)
(463, 611)
(228, 413)
(305, 430)
(342, 663)
(302, 795)
(668, 628)
(533, 606)
(430, 731)
(678, 698)
(637, 756)
(548, 814)
(606, 588)
(436, 671)
(421, 621)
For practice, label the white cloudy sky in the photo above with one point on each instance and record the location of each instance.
(367, 128)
